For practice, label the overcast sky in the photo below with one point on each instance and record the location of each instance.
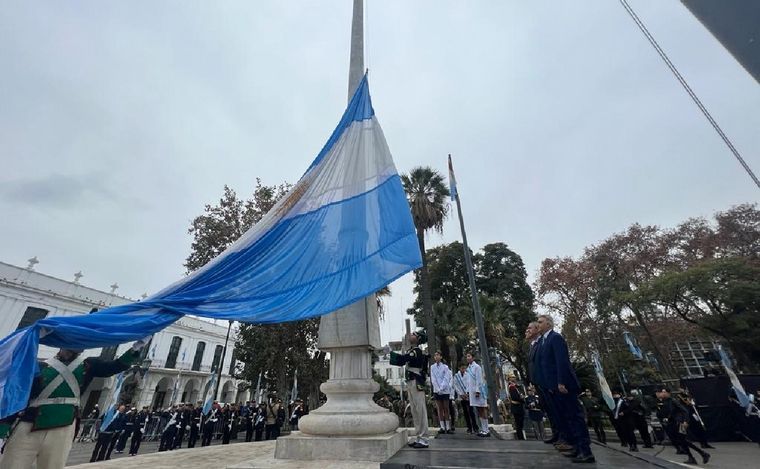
(120, 120)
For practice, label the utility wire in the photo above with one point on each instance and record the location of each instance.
(688, 89)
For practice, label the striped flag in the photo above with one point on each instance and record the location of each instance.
(603, 386)
(111, 412)
(208, 398)
(452, 181)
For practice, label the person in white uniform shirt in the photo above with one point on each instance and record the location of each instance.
(477, 391)
(440, 377)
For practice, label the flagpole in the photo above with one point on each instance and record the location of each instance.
(486, 359)
(221, 364)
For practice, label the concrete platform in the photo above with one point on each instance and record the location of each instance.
(361, 448)
(467, 451)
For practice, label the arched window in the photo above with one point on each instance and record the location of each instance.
(171, 360)
(199, 356)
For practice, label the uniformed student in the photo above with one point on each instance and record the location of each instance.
(259, 421)
(172, 415)
(477, 393)
(416, 362)
(594, 412)
(209, 424)
(440, 378)
(141, 424)
(109, 434)
(516, 406)
(674, 417)
(129, 424)
(622, 420)
(460, 388)
(295, 416)
(196, 415)
(45, 430)
(246, 413)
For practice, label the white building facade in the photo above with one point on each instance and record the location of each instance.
(176, 366)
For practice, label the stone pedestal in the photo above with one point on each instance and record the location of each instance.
(377, 448)
(350, 334)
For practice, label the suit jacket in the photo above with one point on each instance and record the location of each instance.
(553, 367)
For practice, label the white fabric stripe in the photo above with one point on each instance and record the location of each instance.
(341, 175)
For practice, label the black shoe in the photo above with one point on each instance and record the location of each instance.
(588, 459)
(418, 445)
(450, 431)
(571, 454)
(705, 458)
(469, 431)
(441, 431)
(411, 445)
(551, 440)
(634, 449)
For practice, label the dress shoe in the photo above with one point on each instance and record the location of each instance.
(551, 440)
(450, 431)
(418, 445)
(587, 459)
(441, 431)
(705, 458)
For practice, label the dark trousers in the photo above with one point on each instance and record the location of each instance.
(519, 424)
(178, 437)
(258, 433)
(626, 431)
(680, 441)
(640, 423)
(270, 432)
(698, 432)
(551, 413)
(101, 446)
(193, 435)
(596, 424)
(248, 430)
(468, 417)
(208, 433)
(167, 439)
(226, 434)
(122, 443)
(113, 442)
(134, 447)
(574, 418)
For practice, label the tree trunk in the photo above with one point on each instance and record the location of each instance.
(427, 302)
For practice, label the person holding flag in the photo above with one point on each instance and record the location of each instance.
(44, 431)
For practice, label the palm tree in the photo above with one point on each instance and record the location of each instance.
(426, 192)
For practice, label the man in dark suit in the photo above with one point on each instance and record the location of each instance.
(532, 335)
(554, 373)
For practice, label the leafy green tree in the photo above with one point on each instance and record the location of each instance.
(426, 191)
(721, 296)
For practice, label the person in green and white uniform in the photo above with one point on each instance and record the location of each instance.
(44, 431)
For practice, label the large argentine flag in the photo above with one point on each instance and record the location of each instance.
(343, 232)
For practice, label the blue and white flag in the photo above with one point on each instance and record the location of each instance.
(741, 394)
(603, 385)
(208, 398)
(294, 390)
(343, 232)
(452, 181)
(111, 411)
(633, 346)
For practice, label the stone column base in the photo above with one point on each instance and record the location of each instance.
(357, 448)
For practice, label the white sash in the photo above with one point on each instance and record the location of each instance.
(65, 373)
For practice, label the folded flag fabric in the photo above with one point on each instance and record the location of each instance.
(343, 232)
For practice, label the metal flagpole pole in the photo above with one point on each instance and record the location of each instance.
(221, 364)
(486, 358)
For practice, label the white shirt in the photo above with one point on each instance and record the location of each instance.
(474, 378)
(440, 376)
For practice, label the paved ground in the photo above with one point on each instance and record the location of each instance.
(459, 452)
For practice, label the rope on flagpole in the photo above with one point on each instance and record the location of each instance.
(691, 92)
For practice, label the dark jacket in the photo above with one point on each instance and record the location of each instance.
(553, 365)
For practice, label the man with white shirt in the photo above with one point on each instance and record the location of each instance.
(477, 393)
(440, 377)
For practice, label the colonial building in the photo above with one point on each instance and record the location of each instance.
(176, 366)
